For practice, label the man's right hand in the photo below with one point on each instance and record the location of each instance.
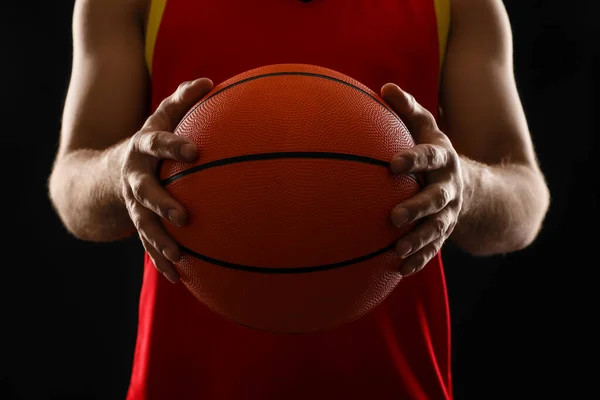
(146, 200)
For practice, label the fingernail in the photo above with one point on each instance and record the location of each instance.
(188, 151)
(400, 217)
(175, 217)
(199, 79)
(403, 249)
(407, 270)
(170, 277)
(399, 165)
(171, 254)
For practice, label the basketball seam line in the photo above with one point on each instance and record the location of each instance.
(291, 270)
(275, 156)
(297, 74)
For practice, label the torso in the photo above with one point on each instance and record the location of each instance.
(400, 350)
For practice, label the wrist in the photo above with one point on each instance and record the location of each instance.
(113, 160)
(467, 183)
(473, 175)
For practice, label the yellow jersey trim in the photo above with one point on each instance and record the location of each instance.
(157, 7)
(442, 12)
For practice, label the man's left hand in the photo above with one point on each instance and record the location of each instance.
(437, 206)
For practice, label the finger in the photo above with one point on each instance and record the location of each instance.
(149, 227)
(148, 192)
(151, 230)
(417, 261)
(415, 116)
(173, 108)
(161, 264)
(163, 250)
(435, 227)
(165, 145)
(431, 200)
(155, 235)
(421, 158)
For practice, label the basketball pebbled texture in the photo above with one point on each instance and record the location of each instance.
(289, 202)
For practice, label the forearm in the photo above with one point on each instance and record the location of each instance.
(85, 190)
(503, 208)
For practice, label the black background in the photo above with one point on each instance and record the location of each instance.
(521, 323)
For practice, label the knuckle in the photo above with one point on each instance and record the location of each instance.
(421, 259)
(126, 170)
(179, 94)
(182, 87)
(146, 229)
(442, 136)
(412, 103)
(130, 202)
(128, 158)
(154, 243)
(428, 154)
(417, 243)
(134, 143)
(165, 102)
(138, 186)
(125, 194)
(173, 149)
(150, 245)
(444, 196)
(452, 158)
(153, 140)
(435, 156)
(440, 226)
(429, 123)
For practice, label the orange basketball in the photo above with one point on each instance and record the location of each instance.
(289, 202)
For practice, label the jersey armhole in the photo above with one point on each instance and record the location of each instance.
(157, 8)
(442, 12)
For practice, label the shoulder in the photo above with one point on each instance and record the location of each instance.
(486, 15)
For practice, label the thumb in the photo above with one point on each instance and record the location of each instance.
(414, 115)
(173, 108)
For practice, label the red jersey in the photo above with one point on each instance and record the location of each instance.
(399, 350)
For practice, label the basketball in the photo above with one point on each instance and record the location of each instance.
(289, 201)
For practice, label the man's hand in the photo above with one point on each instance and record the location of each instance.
(146, 200)
(437, 206)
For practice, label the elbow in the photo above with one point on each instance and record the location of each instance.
(518, 230)
(538, 201)
(65, 208)
(532, 221)
(521, 237)
(80, 220)
(82, 225)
